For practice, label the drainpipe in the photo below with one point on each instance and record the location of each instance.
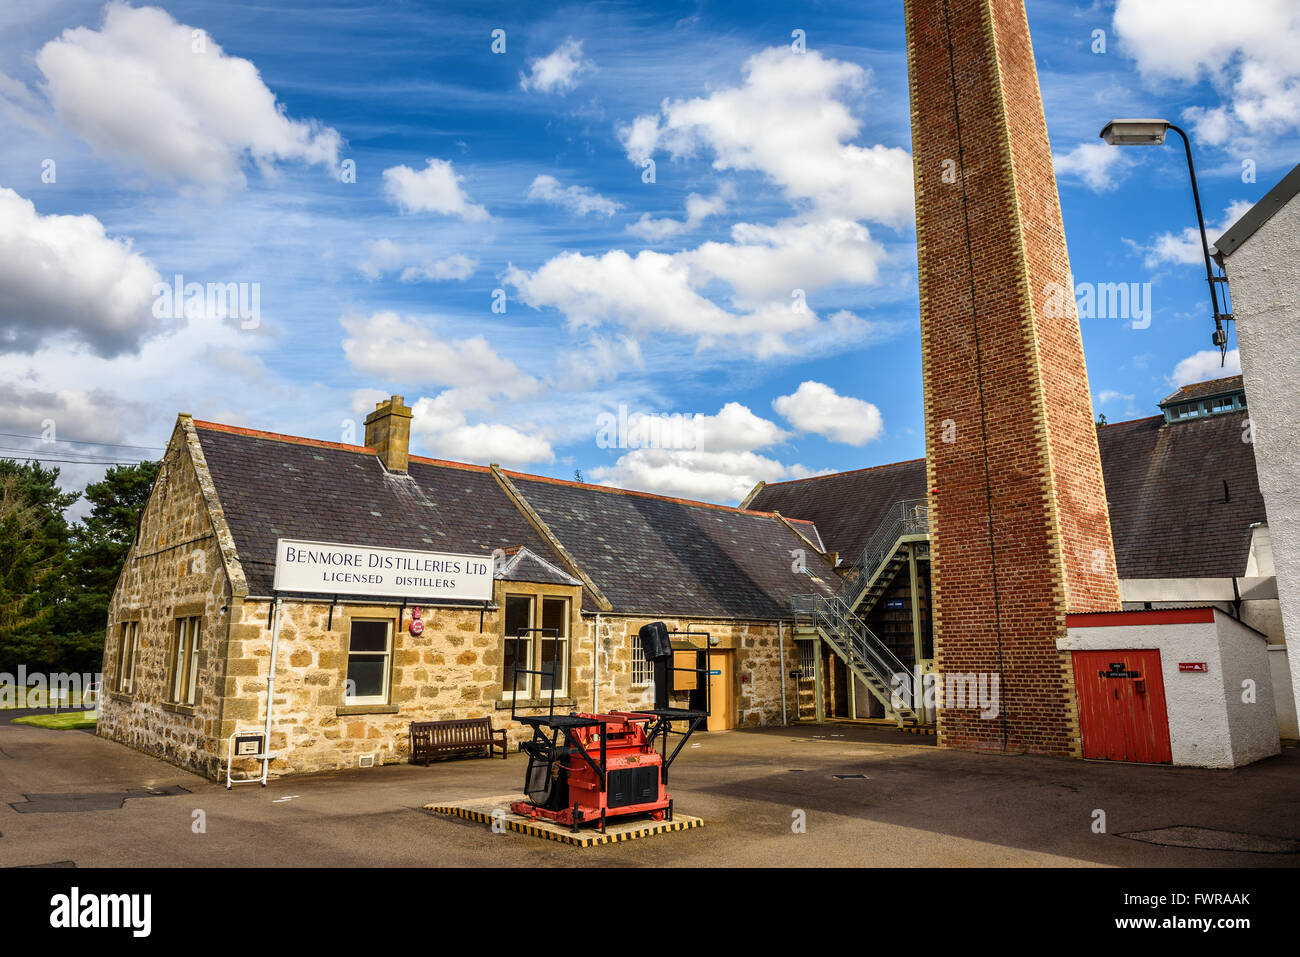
(270, 686)
(595, 664)
(780, 631)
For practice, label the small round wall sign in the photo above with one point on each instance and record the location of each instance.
(417, 626)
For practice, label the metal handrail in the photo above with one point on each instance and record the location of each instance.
(906, 517)
(857, 641)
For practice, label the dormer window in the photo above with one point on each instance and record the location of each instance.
(1197, 402)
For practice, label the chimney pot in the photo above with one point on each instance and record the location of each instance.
(388, 432)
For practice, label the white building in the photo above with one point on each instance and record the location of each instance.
(1261, 255)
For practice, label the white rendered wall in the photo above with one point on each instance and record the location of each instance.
(1283, 698)
(1264, 276)
(1252, 716)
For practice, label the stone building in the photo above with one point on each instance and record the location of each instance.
(188, 645)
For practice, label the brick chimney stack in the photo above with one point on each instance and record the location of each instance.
(388, 432)
(1019, 527)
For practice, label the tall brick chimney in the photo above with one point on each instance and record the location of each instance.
(1019, 524)
(388, 432)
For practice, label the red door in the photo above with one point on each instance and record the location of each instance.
(1122, 712)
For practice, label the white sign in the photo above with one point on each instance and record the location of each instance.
(329, 569)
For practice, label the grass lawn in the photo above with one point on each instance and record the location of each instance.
(67, 721)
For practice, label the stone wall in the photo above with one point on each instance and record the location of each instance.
(175, 569)
(452, 670)
(757, 672)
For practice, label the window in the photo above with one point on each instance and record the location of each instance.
(536, 650)
(807, 658)
(519, 614)
(369, 655)
(185, 661)
(641, 672)
(126, 656)
(555, 650)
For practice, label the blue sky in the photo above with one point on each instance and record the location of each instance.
(211, 141)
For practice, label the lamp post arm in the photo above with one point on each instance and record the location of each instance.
(1200, 220)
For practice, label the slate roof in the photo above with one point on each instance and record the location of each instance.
(273, 489)
(1164, 486)
(648, 554)
(660, 556)
(1200, 390)
(846, 507)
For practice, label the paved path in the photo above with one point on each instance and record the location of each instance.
(96, 803)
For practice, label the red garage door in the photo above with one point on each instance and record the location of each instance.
(1122, 706)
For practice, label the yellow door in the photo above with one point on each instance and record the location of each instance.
(722, 700)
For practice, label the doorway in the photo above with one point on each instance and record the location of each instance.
(1122, 715)
(722, 693)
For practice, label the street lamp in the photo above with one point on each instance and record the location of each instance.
(1151, 132)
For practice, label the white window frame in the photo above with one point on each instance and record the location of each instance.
(130, 640)
(562, 691)
(527, 648)
(387, 654)
(183, 679)
(642, 673)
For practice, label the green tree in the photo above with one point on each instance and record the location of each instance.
(96, 554)
(33, 546)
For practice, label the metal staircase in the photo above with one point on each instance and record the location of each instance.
(867, 657)
(840, 619)
(869, 577)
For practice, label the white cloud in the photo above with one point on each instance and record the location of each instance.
(766, 263)
(434, 189)
(141, 90)
(698, 209)
(558, 71)
(388, 345)
(1249, 55)
(716, 459)
(482, 443)
(735, 428)
(789, 120)
(416, 263)
(1204, 365)
(600, 359)
(1099, 165)
(205, 366)
(1107, 396)
(578, 199)
(767, 268)
(401, 350)
(1184, 248)
(817, 408)
(65, 275)
(725, 477)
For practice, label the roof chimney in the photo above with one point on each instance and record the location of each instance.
(388, 432)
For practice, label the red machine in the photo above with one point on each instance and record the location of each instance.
(585, 768)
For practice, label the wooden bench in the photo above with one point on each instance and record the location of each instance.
(429, 738)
